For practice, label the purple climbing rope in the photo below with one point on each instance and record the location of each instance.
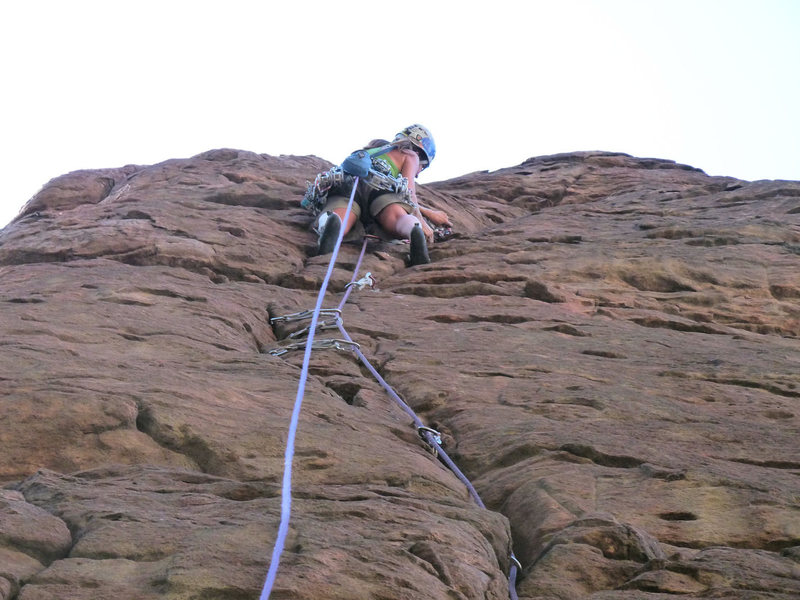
(406, 408)
(286, 488)
(351, 285)
(429, 437)
(426, 433)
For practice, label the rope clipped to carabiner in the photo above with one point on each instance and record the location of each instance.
(432, 437)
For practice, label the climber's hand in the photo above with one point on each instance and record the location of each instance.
(426, 229)
(438, 217)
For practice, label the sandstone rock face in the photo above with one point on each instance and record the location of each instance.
(609, 347)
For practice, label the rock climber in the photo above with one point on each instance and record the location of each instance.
(398, 214)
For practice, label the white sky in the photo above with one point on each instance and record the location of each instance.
(95, 84)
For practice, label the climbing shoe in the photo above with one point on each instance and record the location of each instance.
(419, 247)
(329, 228)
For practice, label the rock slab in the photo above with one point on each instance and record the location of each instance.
(608, 346)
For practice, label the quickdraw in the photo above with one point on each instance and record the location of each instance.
(437, 437)
(431, 437)
(306, 314)
(336, 344)
(321, 326)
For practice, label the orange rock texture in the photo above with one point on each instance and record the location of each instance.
(608, 345)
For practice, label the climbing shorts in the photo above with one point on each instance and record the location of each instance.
(335, 202)
(374, 206)
(381, 201)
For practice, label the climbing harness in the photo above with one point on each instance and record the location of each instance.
(376, 176)
(431, 436)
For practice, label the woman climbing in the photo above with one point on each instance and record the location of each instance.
(399, 215)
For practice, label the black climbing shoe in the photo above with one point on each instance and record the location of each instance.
(419, 247)
(329, 233)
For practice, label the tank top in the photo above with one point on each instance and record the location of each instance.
(395, 170)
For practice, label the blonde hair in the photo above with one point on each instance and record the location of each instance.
(403, 144)
(376, 143)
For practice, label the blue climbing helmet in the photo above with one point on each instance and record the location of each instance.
(420, 137)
